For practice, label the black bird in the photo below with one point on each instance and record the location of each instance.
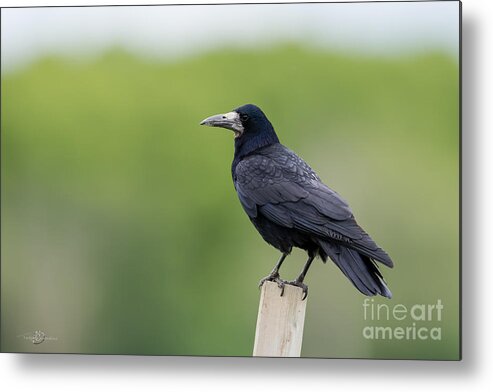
(291, 207)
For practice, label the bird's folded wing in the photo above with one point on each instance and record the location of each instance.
(283, 190)
(292, 196)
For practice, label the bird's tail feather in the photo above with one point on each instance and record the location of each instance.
(377, 254)
(360, 269)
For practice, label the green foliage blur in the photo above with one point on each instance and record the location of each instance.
(122, 232)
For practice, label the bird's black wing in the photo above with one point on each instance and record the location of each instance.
(279, 185)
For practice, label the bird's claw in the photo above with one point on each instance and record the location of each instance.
(301, 285)
(274, 277)
(282, 283)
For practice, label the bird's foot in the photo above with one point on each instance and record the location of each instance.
(273, 277)
(301, 285)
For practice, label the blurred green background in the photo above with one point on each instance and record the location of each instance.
(121, 229)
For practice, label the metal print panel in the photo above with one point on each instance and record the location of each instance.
(232, 180)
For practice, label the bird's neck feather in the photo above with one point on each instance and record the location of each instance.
(247, 144)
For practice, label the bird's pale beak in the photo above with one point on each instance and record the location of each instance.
(229, 120)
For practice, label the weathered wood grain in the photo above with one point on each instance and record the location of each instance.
(280, 322)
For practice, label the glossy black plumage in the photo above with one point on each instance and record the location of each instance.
(291, 207)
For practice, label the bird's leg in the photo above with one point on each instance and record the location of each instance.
(274, 275)
(301, 277)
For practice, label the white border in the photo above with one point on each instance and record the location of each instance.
(474, 373)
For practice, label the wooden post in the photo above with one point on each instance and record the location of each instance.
(280, 322)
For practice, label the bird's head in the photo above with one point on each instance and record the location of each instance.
(250, 125)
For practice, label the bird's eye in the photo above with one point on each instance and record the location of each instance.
(244, 117)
